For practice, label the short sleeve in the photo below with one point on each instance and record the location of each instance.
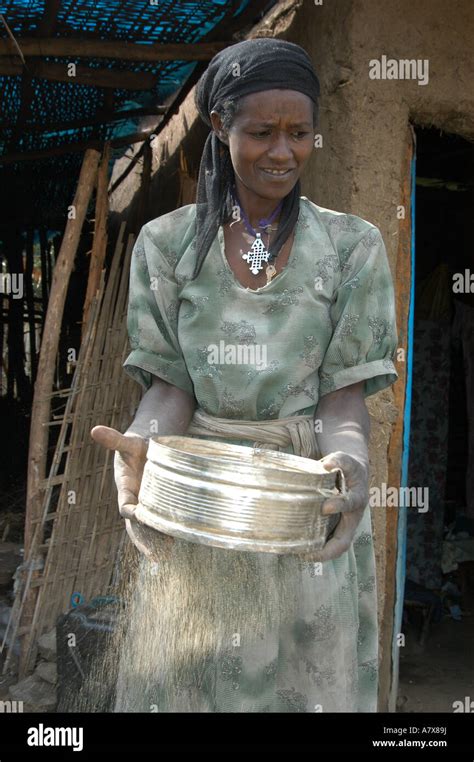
(364, 339)
(152, 318)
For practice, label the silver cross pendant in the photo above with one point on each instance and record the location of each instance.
(257, 255)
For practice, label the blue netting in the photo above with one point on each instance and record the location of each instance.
(35, 111)
(134, 21)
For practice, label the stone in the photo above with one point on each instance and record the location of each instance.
(37, 695)
(47, 645)
(47, 671)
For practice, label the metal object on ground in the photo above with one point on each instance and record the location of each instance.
(236, 497)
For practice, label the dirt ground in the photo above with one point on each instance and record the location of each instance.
(430, 678)
(433, 677)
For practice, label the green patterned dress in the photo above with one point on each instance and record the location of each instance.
(326, 321)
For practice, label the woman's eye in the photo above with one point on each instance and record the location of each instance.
(265, 133)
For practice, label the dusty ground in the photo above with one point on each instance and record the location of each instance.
(443, 672)
(430, 679)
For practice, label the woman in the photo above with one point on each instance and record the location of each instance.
(254, 264)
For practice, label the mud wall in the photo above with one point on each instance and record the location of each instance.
(364, 125)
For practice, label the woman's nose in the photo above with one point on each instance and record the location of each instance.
(280, 149)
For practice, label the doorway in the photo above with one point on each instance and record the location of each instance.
(438, 612)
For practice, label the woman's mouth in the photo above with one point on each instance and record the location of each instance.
(276, 174)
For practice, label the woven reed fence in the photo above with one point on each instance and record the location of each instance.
(80, 512)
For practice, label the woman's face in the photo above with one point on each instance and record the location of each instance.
(270, 141)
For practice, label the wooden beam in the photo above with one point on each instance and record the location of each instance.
(70, 47)
(402, 281)
(47, 360)
(103, 116)
(84, 75)
(30, 300)
(41, 410)
(46, 27)
(99, 242)
(250, 15)
(16, 338)
(49, 18)
(140, 215)
(46, 153)
(44, 275)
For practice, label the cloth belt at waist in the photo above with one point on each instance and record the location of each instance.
(273, 434)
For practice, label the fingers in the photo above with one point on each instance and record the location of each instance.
(156, 546)
(337, 459)
(356, 484)
(343, 504)
(349, 465)
(106, 436)
(341, 540)
(114, 440)
(334, 548)
(137, 541)
(127, 510)
(127, 492)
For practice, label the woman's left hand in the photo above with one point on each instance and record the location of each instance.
(351, 506)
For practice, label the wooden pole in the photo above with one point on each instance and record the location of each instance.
(115, 49)
(15, 340)
(30, 303)
(3, 319)
(46, 153)
(83, 75)
(402, 280)
(39, 431)
(44, 272)
(143, 196)
(49, 345)
(102, 116)
(99, 244)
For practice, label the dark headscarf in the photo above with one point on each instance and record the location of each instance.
(247, 67)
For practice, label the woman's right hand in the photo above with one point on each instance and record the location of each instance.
(129, 462)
